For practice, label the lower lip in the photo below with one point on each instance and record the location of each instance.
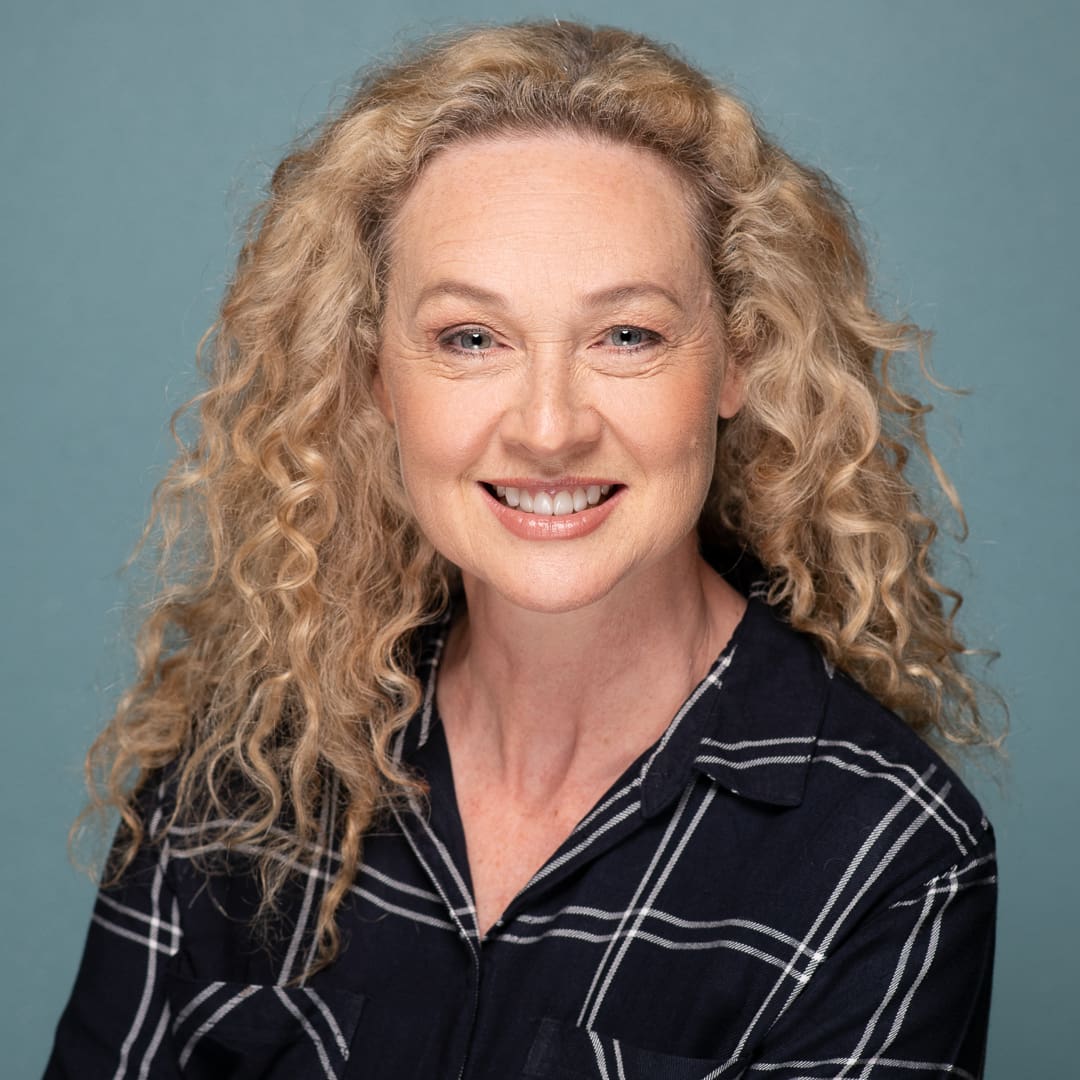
(548, 527)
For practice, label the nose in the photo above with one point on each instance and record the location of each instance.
(551, 417)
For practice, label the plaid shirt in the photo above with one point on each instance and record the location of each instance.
(788, 884)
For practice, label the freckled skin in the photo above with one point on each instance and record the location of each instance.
(543, 222)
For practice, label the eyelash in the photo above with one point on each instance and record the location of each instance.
(650, 338)
(446, 340)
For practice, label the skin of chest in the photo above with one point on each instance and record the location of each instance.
(505, 849)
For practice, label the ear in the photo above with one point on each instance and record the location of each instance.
(732, 389)
(381, 395)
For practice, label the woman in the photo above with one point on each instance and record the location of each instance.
(549, 628)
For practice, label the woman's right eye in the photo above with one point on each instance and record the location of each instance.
(472, 339)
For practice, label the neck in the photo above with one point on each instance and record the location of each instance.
(548, 699)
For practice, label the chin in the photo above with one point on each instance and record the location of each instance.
(554, 594)
(554, 604)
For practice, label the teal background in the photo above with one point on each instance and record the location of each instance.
(136, 136)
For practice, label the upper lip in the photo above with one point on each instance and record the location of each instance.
(563, 483)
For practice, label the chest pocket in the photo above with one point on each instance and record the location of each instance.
(253, 1032)
(563, 1052)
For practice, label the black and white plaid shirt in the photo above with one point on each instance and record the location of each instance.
(788, 884)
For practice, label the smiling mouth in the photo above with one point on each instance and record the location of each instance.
(552, 502)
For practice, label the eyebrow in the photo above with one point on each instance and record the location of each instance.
(610, 297)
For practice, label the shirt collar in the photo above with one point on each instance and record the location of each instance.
(752, 723)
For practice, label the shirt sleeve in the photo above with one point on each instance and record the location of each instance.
(115, 1021)
(907, 995)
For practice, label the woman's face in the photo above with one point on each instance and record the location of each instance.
(553, 365)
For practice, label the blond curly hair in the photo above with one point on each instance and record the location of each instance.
(275, 662)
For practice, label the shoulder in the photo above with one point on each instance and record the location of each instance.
(864, 791)
(900, 817)
(867, 754)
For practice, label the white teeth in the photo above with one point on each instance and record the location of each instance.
(560, 504)
(564, 504)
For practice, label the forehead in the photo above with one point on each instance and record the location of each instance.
(558, 203)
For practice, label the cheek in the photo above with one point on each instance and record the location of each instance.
(439, 430)
(675, 429)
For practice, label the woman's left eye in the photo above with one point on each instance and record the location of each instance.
(630, 337)
(472, 339)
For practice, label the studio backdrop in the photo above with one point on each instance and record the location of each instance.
(137, 136)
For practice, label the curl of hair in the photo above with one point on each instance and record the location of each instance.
(274, 665)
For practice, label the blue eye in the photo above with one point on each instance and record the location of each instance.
(630, 337)
(471, 340)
